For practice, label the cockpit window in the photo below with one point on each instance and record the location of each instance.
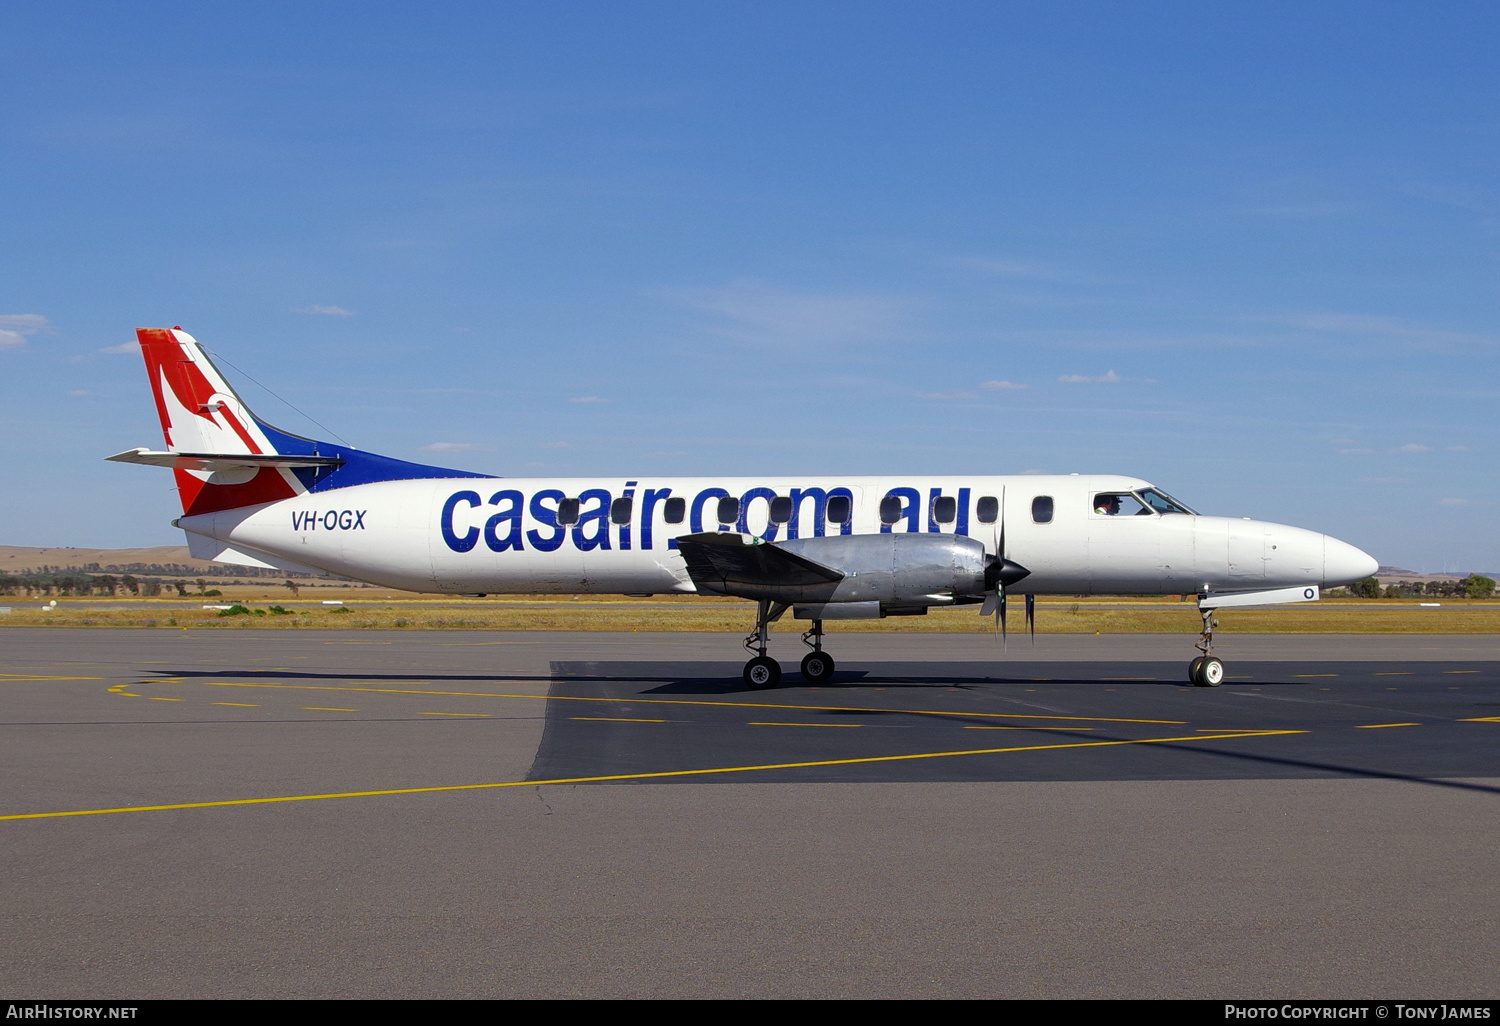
(1162, 502)
(1119, 504)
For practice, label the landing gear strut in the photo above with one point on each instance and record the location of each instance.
(817, 665)
(1206, 671)
(763, 672)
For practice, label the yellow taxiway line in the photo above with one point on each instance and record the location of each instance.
(632, 776)
(684, 701)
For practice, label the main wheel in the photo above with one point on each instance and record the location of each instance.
(761, 673)
(817, 666)
(1193, 668)
(1210, 674)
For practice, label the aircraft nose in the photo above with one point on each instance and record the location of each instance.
(1344, 564)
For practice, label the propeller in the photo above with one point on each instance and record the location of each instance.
(999, 574)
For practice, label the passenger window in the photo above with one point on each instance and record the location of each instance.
(838, 509)
(890, 509)
(944, 509)
(567, 512)
(729, 509)
(676, 511)
(620, 510)
(1041, 509)
(781, 509)
(1119, 504)
(987, 509)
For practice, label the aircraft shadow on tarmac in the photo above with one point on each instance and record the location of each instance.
(684, 678)
(691, 679)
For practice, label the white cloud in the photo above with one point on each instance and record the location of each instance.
(326, 311)
(1389, 327)
(588, 399)
(1412, 447)
(1001, 385)
(123, 347)
(753, 314)
(1074, 379)
(15, 327)
(449, 447)
(946, 395)
(1302, 210)
(1029, 270)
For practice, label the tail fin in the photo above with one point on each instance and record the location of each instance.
(200, 413)
(224, 456)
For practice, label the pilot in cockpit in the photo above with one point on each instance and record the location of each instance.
(1107, 505)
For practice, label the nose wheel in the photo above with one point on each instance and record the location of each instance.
(1206, 672)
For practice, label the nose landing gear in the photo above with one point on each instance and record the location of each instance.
(1206, 671)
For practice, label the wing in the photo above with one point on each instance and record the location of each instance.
(728, 564)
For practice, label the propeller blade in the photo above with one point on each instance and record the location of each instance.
(1031, 616)
(1000, 615)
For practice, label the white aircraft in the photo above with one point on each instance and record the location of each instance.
(827, 548)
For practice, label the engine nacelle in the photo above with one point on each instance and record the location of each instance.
(904, 573)
(899, 569)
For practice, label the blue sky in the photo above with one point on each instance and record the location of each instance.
(1247, 251)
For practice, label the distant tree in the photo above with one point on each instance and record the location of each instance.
(1478, 587)
(130, 584)
(202, 584)
(151, 589)
(181, 587)
(106, 583)
(291, 586)
(1367, 588)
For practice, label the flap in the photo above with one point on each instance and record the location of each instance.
(728, 559)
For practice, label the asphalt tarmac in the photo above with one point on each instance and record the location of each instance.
(444, 814)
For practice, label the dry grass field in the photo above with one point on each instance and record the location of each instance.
(375, 608)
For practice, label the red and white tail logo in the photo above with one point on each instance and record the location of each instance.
(200, 414)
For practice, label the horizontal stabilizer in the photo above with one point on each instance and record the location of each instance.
(1307, 593)
(211, 462)
(723, 561)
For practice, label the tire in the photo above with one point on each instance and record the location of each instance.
(762, 673)
(1211, 674)
(817, 666)
(1193, 668)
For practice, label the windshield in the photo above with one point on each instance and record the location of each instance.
(1162, 502)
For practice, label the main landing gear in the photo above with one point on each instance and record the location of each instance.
(762, 672)
(817, 665)
(1206, 671)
